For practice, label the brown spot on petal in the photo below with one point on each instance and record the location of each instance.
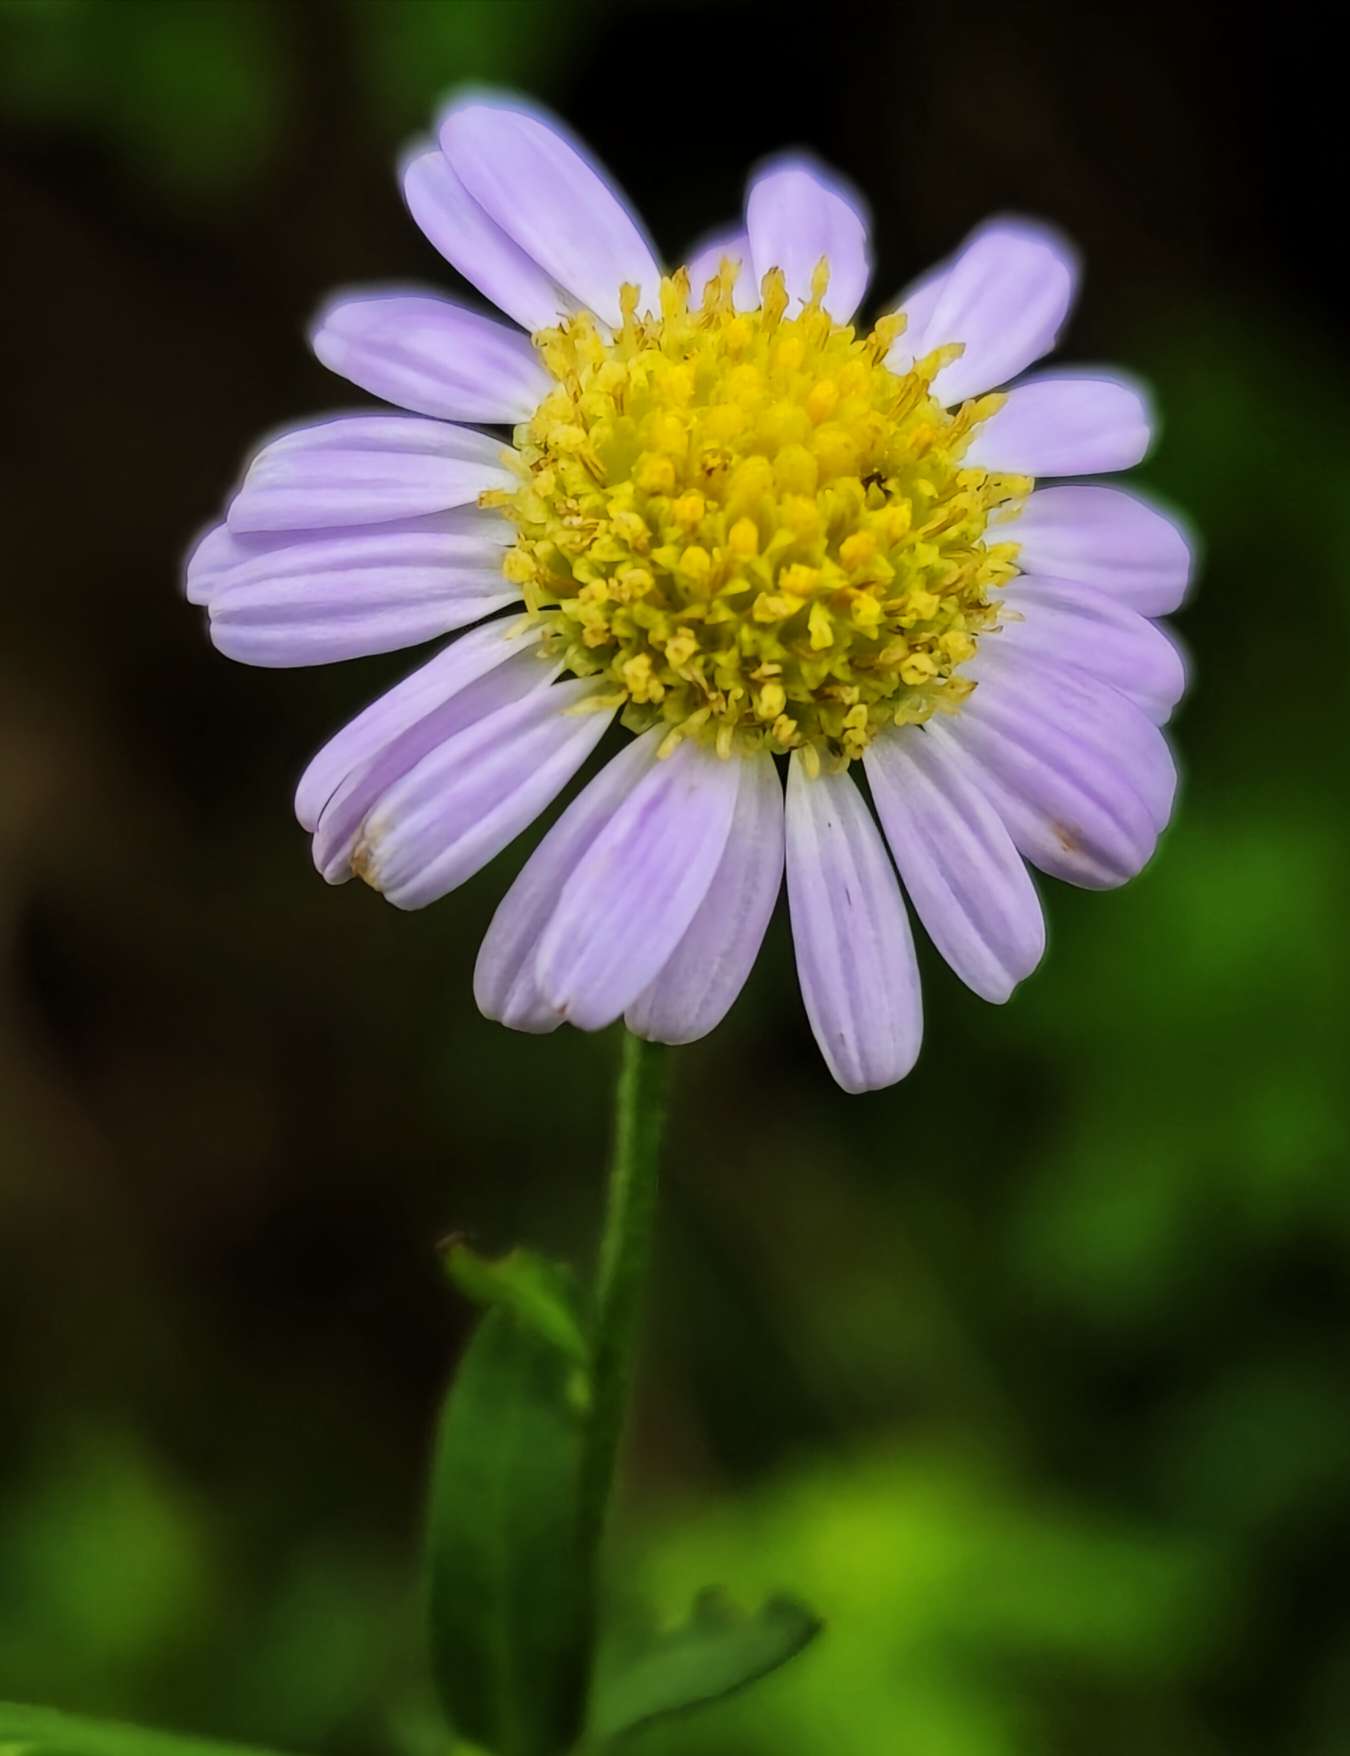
(363, 863)
(1067, 838)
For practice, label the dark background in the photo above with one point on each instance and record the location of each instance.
(1031, 1373)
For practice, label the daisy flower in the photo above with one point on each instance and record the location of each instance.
(788, 552)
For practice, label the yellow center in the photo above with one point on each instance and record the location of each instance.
(750, 527)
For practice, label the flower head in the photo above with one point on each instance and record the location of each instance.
(761, 535)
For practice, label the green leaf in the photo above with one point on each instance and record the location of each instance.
(718, 1651)
(542, 1294)
(510, 1597)
(42, 1731)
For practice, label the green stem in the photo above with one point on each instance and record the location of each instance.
(625, 1253)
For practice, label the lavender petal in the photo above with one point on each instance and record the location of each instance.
(855, 955)
(967, 881)
(1074, 625)
(539, 185)
(1065, 424)
(504, 981)
(708, 968)
(796, 212)
(1082, 706)
(1103, 537)
(431, 356)
(1066, 763)
(634, 891)
(464, 801)
(395, 712)
(1004, 297)
(365, 469)
(476, 245)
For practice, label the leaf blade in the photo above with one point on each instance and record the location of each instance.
(46, 1731)
(717, 1652)
(510, 1609)
(542, 1294)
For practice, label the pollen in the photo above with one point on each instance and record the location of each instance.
(750, 527)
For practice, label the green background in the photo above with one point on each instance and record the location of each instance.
(1031, 1374)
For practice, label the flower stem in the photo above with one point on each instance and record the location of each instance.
(625, 1253)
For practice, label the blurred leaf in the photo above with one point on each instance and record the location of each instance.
(510, 1597)
(42, 1731)
(412, 52)
(191, 94)
(721, 1649)
(100, 1510)
(945, 1578)
(540, 1294)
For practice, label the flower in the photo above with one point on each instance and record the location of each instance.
(758, 536)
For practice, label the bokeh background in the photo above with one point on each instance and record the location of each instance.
(1031, 1374)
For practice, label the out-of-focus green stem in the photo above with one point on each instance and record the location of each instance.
(625, 1253)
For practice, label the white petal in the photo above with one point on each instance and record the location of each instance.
(634, 891)
(432, 357)
(697, 987)
(1106, 538)
(1065, 425)
(795, 213)
(965, 878)
(529, 175)
(855, 955)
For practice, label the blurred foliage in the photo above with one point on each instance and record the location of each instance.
(962, 1616)
(189, 93)
(193, 92)
(1031, 1375)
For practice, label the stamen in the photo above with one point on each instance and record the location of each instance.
(750, 526)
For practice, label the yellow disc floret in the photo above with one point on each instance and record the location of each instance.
(750, 526)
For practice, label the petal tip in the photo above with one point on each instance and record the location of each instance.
(801, 163)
